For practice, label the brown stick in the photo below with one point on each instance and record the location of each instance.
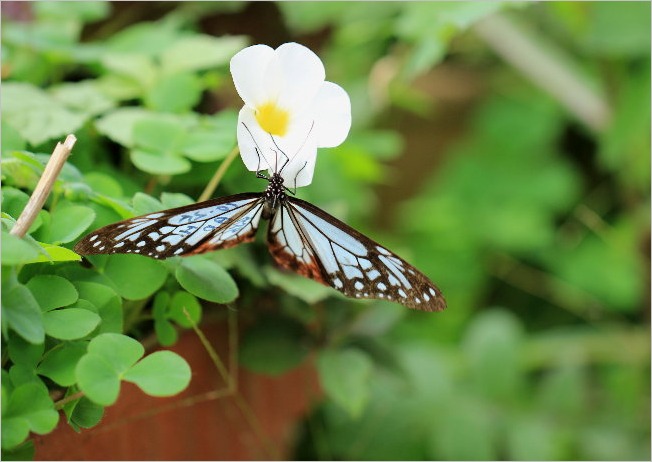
(42, 190)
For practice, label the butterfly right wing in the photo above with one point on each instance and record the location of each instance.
(182, 231)
(314, 244)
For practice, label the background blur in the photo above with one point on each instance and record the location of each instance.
(502, 148)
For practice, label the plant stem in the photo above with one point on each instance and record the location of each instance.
(63, 401)
(546, 67)
(219, 173)
(44, 186)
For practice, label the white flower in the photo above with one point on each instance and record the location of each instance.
(289, 111)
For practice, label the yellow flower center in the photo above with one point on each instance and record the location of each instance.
(273, 119)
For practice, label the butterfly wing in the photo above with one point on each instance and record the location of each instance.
(189, 230)
(309, 241)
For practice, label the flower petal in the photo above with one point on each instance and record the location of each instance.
(248, 68)
(249, 136)
(300, 74)
(301, 149)
(292, 156)
(331, 110)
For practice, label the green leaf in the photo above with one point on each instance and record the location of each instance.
(23, 451)
(345, 376)
(213, 140)
(273, 346)
(159, 163)
(70, 323)
(306, 289)
(83, 97)
(23, 352)
(16, 171)
(135, 277)
(181, 300)
(14, 201)
(144, 203)
(118, 125)
(17, 251)
(35, 115)
(158, 135)
(206, 280)
(11, 140)
(174, 93)
(85, 12)
(52, 291)
(98, 379)
(107, 304)
(21, 312)
(59, 363)
(120, 351)
(162, 373)
(619, 29)
(68, 222)
(29, 409)
(165, 332)
(137, 69)
(173, 200)
(55, 253)
(99, 371)
(21, 374)
(86, 413)
(199, 52)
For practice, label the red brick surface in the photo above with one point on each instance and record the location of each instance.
(195, 425)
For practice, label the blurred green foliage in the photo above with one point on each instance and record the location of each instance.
(535, 227)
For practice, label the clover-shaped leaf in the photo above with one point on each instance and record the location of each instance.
(52, 291)
(29, 408)
(113, 357)
(207, 280)
(162, 373)
(70, 323)
(59, 363)
(135, 277)
(21, 312)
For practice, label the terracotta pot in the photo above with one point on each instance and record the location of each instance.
(202, 423)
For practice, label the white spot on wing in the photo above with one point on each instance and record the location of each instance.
(382, 250)
(351, 272)
(373, 274)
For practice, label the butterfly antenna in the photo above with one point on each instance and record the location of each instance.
(287, 159)
(258, 152)
(294, 192)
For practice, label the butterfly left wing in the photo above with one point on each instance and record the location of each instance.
(189, 230)
(307, 240)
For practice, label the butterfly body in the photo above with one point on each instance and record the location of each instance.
(301, 238)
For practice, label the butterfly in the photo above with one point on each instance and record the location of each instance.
(301, 238)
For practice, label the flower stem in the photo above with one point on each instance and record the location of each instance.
(219, 173)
